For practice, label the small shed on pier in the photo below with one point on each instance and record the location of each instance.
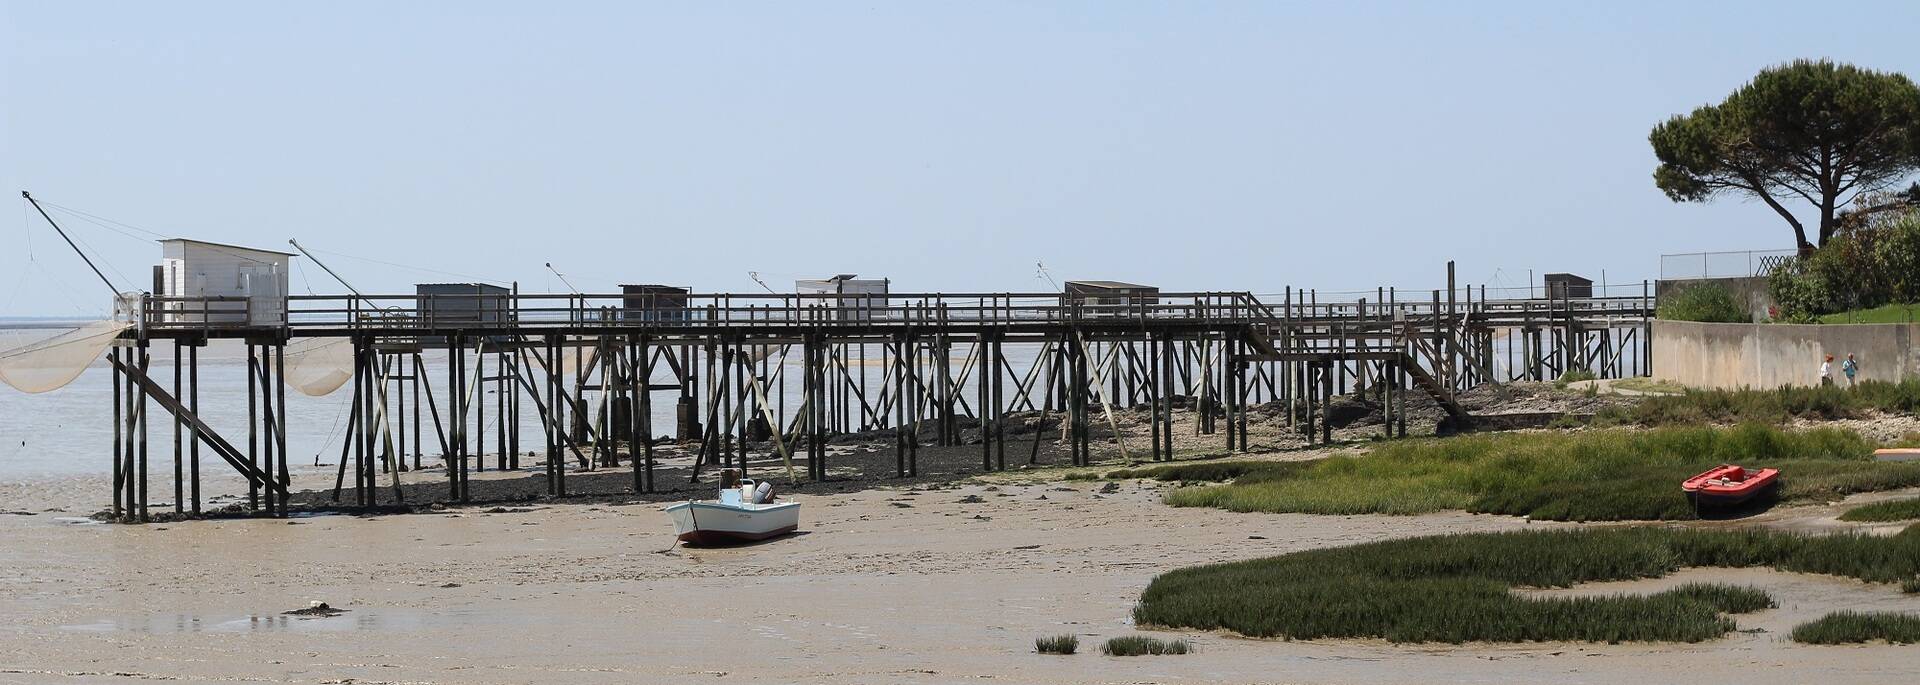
(859, 299)
(1568, 286)
(461, 305)
(1111, 293)
(224, 284)
(653, 302)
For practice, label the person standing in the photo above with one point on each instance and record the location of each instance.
(1826, 371)
(1849, 367)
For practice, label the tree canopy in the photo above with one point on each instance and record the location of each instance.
(1811, 129)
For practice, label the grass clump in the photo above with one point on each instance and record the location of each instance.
(1057, 644)
(1897, 510)
(1459, 588)
(1137, 645)
(1646, 384)
(1602, 475)
(1853, 627)
(1215, 471)
(1572, 376)
(1771, 406)
(1910, 586)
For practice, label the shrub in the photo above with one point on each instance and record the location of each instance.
(1862, 266)
(1057, 644)
(1851, 627)
(1137, 645)
(1457, 588)
(1800, 292)
(1708, 302)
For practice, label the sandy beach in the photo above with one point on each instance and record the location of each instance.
(906, 583)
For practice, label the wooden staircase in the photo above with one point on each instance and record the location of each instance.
(1414, 353)
(1417, 348)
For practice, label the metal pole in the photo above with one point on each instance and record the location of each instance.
(76, 248)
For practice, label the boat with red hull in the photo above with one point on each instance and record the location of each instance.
(1727, 485)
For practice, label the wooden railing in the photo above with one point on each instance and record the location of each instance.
(399, 314)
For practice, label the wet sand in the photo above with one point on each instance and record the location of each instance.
(886, 585)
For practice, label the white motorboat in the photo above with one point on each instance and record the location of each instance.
(743, 513)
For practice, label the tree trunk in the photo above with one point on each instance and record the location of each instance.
(1827, 222)
(1799, 232)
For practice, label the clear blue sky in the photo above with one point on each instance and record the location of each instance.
(948, 146)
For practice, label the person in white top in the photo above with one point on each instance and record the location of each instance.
(1826, 371)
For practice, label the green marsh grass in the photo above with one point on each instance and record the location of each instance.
(1890, 313)
(1459, 588)
(1897, 510)
(1214, 470)
(1057, 644)
(1602, 475)
(1140, 645)
(1769, 406)
(1853, 627)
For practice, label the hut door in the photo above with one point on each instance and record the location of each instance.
(265, 298)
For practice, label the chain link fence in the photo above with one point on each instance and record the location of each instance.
(1693, 265)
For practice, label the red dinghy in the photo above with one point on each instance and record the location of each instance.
(1727, 484)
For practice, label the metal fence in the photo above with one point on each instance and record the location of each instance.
(1722, 264)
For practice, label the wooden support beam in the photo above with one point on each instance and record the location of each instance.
(206, 433)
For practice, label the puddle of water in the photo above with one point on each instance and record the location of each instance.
(352, 621)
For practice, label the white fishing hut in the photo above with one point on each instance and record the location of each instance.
(224, 284)
(859, 299)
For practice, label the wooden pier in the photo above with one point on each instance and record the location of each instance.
(930, 368)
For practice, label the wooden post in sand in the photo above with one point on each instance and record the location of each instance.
(141, 414)
(119, 475)
(356, 430)
(551, 376)
(1166, 390)
(179, 451)
(897, 375)
(983, 391)
(253, 428)
(1151, 385)
(999, 402)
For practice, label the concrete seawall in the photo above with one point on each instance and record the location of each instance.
(1734, 355)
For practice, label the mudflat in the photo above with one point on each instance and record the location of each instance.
(926, 583)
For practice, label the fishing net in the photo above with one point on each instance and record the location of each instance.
(319, 366)
(33, 362)
(578, 359)
(756, 353)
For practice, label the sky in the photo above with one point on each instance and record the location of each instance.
(948, 146)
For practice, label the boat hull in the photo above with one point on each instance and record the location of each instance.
(1729, 485)
(708, 523)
